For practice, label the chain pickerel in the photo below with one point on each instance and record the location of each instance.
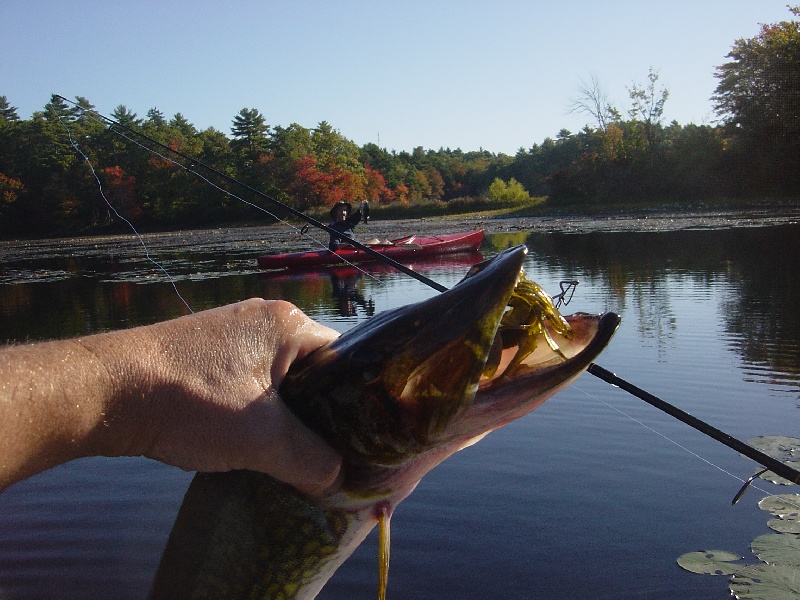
(396, 396)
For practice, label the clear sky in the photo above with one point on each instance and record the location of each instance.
(438, 74)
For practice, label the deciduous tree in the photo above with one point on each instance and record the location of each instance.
(593, 100)
(758, 96)
(647, 106)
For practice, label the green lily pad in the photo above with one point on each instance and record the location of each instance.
(781, 505)
(710, 562)
(785, 524)
(786, 507)
(766, 582)
(776, 446)
(777, 479)
(778, 549)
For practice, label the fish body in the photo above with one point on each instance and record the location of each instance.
(395, 396)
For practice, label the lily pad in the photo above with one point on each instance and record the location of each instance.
(766, 582)
(777, 479)
(778, 549)
(710, 562)
(785, 524)
(781, 505)
(776, 446)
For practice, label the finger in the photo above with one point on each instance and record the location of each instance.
(296, 455)
(296, 336)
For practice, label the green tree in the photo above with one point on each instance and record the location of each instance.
(155, 118)
(126, 117)
(9, 121)
(647, 106)
(250, 135)
(45, 164)
(508, 193)
(758, 95)
(11, 187)
(250, 148)
(8, 113)
(291, 143)
(332, 149)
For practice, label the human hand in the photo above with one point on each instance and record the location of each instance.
(215, 399)
(198, 392)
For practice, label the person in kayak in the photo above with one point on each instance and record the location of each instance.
(344, 220)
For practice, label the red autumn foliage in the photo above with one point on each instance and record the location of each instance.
(120, 189)
(9, 188)
(401, 192)
(314, 184)
(375, 188)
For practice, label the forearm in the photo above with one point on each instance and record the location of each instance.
(54, 399)
(354, 218)
(197, 392)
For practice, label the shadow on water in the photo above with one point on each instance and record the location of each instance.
(352, 287)
(57, 298)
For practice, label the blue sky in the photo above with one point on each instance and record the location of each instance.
(492, 75)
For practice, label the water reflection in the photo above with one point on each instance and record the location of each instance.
(53, 292)
(348, 296)
(352, 289)
(709, 322)
(758, 265)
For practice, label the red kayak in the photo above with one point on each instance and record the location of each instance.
(406, 248)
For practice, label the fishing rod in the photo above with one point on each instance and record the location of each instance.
(193, 162)
(770, 463)
(767, 461)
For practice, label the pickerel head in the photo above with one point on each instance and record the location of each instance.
(443, 371)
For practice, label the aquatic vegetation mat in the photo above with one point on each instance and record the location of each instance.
(777, 577)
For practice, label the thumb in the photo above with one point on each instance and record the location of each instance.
(296, 455)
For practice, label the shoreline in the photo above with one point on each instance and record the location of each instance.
(286, 237)
(606, 222)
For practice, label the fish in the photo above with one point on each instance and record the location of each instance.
(395, 395)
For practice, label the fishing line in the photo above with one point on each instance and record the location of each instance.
(119, 216)
(772, 464)
(98, 118)
(666, 437)
(748, 482)
(193, 161)
(762, 458)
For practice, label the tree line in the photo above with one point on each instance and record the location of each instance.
(624, 156)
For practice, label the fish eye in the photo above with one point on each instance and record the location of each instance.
(367, 363)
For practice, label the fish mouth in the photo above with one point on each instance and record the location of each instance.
(502, 399)
(444, 370)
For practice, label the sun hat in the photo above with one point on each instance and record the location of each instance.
(338, 205)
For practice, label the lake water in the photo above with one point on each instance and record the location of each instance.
(593, 495)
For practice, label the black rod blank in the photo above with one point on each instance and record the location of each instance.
(772, 464)
(196, 163)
